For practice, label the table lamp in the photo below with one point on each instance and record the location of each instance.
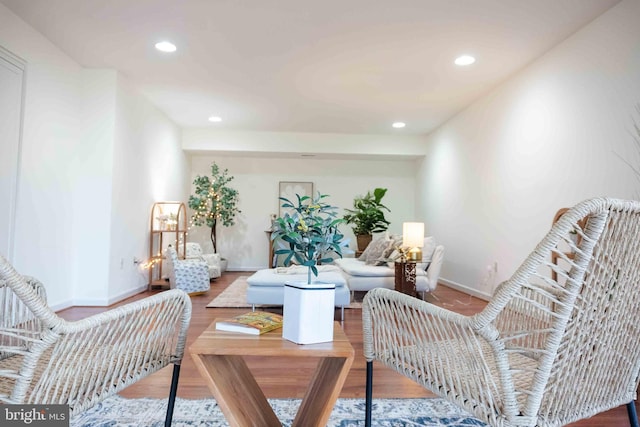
(413, 239)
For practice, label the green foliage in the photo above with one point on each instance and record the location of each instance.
(310, 233)
(213, 201)
(367, 216)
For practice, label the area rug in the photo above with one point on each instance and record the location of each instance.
(120, 412)
(235, 296)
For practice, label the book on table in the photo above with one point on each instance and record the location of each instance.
(253, 322)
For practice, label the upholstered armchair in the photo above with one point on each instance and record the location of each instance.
(544, 351)
(194, 251)
(45, 359)
(190, 275)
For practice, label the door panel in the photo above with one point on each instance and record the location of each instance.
(11, 98)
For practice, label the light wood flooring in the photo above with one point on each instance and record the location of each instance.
(288, 378)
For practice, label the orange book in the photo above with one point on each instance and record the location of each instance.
(253, 322)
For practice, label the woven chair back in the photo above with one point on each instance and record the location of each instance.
(581, 325)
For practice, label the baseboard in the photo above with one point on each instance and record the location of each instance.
(102, 302)
(61, 306)
(467, 290)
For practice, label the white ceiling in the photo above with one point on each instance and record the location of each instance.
(345, 66)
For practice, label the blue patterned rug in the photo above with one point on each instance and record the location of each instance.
(120, 412)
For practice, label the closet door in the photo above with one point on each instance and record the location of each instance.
(11, 98)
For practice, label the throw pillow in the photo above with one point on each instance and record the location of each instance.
(375, 249)
(393, 257)
(427, 252)
(384, 257)
(428, 248)
(397, 239)
(364, 254)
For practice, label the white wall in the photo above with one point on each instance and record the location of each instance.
(149, 166)
(495, 174)
(92, 163)
(297, 143)
(256, 179)
(95, 155)
(51, 136)
(130, 158)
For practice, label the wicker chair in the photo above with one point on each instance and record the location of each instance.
(47, 360)
(543, 352)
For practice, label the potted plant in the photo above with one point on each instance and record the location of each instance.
(367, 217)
(309, 235)
(214, 202)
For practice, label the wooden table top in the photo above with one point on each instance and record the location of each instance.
(215, 342)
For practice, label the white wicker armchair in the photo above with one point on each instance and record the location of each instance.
(47, 360)
(543, 352)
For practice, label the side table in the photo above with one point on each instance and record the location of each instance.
(219, 357)
(272, 259)
(405, 278)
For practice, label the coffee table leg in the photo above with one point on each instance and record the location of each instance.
(323, 392)
(235, 389)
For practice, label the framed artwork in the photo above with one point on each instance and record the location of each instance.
(290, 189)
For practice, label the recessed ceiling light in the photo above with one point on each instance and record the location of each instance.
(399, 125)
(465, 60)
(215, 119)
(166, 46)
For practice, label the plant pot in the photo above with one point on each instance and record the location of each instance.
(224, 263)
(308, 312)
(363, 241)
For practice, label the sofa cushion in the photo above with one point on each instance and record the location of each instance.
(428, 248)
(374, 250)
(355, 267)
(384, 257)
(427, 254)
(275, 277)
(388, 243)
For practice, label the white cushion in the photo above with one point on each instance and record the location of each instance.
(428, 248)
(375, 248)
(355, 267)
(269, 277)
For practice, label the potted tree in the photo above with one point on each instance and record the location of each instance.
(214, 202)
(309, 235)
(367, 217)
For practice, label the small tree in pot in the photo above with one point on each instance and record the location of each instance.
(309, 235)
(367, 216)
(214, 201)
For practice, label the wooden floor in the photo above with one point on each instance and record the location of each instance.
(288, 378)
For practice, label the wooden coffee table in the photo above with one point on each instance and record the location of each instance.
(219, 356)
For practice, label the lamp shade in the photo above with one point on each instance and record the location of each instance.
(413, 234)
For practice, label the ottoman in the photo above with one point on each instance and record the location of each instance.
(267, 286)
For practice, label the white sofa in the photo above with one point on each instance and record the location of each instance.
(267, 286)
(363, 276)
